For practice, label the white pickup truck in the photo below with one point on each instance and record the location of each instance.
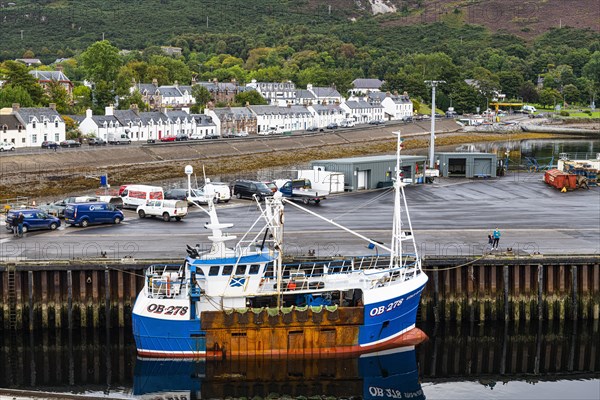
(166, 209)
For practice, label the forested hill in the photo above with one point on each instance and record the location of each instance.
(53, 28)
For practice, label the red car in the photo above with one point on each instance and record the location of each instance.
(167, 139)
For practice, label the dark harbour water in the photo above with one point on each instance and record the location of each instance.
(494, 361)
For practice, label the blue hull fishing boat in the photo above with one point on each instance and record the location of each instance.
(242, 299)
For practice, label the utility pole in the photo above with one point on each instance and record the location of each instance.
(433, 85)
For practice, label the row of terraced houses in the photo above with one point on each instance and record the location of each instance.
(289, 109)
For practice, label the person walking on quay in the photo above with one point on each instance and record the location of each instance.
(496, 236)
(20, 220)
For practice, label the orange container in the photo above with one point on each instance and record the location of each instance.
(560, 179)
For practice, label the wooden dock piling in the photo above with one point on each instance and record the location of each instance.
(102, 293)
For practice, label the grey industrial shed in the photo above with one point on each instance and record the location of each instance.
(371, 172)
(467, 165)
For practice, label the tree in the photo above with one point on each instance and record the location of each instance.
(549, 97)
(135, 98)
(571, 94)
(251, 97)
(17, 75)
(528, 92)
(101, 62)
(82, 99)
(58, 95)
(201, 95)
(15, 94)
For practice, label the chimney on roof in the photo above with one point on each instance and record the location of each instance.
(247, 104)
(108, 110)
(405, 93)
(155, 81)
(233, 80)
(133, 107)
(215, 80)
(193, 80)
(16, 106)
(52, 106)
(395, 93)
(88, 113)
(59, 68)
(176, 84)
(210, 105)
(388, 94)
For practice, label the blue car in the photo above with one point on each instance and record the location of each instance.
(99, 212)
(34, 219)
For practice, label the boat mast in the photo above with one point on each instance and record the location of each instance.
(396, 254)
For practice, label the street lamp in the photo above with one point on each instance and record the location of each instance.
(433, 85)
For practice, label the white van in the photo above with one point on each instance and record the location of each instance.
(166, 209)
(528, 109)
(347, 123)
(136, 195)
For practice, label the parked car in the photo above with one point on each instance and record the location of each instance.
(212, 136)
(70, 143)
(241, 134)
(312, 129)
(332, 125)
(34, 219)
(271, 185)
(84, 214)
(166, 209)
(7, 146)
(151, 141)
(181, 137)
(96, 142)
(376, 122)
(220, 189)
(167, 139)
(246, 188)
(57, 208)
(48, 144)
(197, 196)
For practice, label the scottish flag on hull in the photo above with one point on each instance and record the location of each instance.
(237, 281)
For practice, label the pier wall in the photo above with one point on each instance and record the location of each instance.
(77, 294)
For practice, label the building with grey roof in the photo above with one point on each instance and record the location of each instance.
(36, 125)
(276, 93)
(364, 86)
(45, 78)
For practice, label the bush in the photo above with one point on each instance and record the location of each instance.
(588, 112)
(564, 113)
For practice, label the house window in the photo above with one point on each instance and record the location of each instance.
(45, 123)
(45, 137)
(34, 138)
(56, 137)
(56, 124)
(33, 124)
(22, 140)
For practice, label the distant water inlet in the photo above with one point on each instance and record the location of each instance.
(80, 294)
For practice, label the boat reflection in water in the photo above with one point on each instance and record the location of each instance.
(390, 374)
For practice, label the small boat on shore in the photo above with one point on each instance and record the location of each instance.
(243, 301)
(559, 129)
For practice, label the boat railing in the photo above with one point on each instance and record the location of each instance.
(339, 274)
(165, 281)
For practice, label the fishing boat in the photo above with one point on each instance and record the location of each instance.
(240, 299)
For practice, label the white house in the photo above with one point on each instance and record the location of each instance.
(397, 107)
(363, 86)
(34, 126)
(101, 126)
(11, 129)
(362, 112)
(276, 119)
(324, 115)
(276, 93)
(325, 95)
